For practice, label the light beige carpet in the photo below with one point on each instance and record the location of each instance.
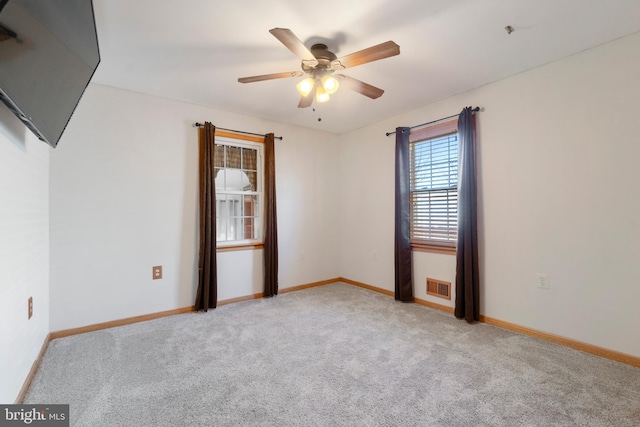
(335, 355)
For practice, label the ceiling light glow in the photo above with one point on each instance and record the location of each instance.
(330, 84)
(305, 86)
(321, 94)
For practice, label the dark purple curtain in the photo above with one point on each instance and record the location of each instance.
(403, 264)
(270, 250)
(467, 268)
(207, 294)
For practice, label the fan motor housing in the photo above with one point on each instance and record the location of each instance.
(324, 57)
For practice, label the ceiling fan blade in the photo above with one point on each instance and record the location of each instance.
(270, 76)
(306, 101)
(360, 86)
(294, 44)
(373, 53)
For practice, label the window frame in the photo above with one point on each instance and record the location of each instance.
(434, 131)
(244, 141)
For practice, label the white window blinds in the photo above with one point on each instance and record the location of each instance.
(434, 189)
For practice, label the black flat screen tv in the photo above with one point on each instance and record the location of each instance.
(48, 54)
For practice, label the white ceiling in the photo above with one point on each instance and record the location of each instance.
(195, 50)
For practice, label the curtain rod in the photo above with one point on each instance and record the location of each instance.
(475, 110)
(199, 125)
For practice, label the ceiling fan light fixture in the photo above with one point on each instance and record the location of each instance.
(319, 64)
(321, 94)
(305, 86)
(330, 84)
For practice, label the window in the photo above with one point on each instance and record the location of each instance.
(433, 178)
(238, 172)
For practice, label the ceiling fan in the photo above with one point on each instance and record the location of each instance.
(320, 64)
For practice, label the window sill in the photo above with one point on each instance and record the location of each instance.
(434, 248)
(241, 247)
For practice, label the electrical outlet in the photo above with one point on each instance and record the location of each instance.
(157, 272)
(30, 307)
(542, 281)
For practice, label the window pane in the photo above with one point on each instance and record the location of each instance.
(219, 177)
(238, 182)
(218, 156)
(235, 228)
(434, 214)
(237, 217)
(249, 159)
(250, 218)
(435, 163)
(433, 185)
(250, 181)
(229, 217)
(234, 218)
(235, 180)
(245, 185)
(233, 159)
(221, 217)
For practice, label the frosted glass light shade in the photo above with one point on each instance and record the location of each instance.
(321, 94)
(305, 86)
(330, 84)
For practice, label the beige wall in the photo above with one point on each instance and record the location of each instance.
(558, 150)
(24, 251)
(124, 198)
